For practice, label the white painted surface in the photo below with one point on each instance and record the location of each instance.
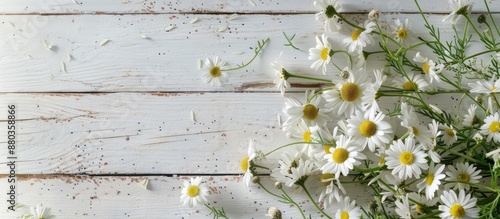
(109, 118)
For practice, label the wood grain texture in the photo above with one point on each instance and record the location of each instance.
(125, 197)
(165, 61)
(217, 6)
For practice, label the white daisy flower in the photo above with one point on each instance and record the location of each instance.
(310, 112)
(369, 100)
(348, 209)
(303, 132)
(401, 30)
(449, 134)
(412, 83)
(213, 73)
(409, 120)
(463, 173)
(327, 14)
(346, 96)
(246, 164)
(289, 160)
(431, 149)
(301, 173)
(194, 192)
(432, 180)
(281, 77)
(495, 155)
(405, 159)
(360, 38)
(485, 87)
(343, 157)
(40, 212)
(369, 129)
(455, 207)
(470, 119)
(391, 180)
(429, 67)
(459, 7)
(403, 208)
(329, 189)
(491, 127)
(321, 53)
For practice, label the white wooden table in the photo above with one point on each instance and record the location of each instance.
(104, 95)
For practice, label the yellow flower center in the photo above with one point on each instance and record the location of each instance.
(406, 158)
(193, 191)
(402, 34)
(340, 155)
(415, 131)
(463, 177)
(326, 178)
(355, 34)
(244, 164)
(426, 67)
(215, 71)
(420, 209)
(324, 53)
(429, 179)
(307, 136)
(493, 88)
(326, 148)
(344, 215)
(409, 85)
(382, 161)
(368, 128)
(457, 210)
(450, 132)
(310, 111)
(494, 127)
(350, 92)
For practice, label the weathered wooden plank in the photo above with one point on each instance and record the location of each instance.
(147, 133)
(139, 55)
(124, 197)
(216, 6)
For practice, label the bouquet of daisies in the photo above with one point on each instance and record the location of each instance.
(378, 126)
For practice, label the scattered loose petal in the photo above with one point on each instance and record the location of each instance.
(222, 29)
(169, 28)
(47, 45)
(142, 36)
(28, 56)
(279, 119)
(200, 63)
(63, 67)
(232, 17)
(145, 183)
(68, 57)
(12, 24)
(194, 20)
(252, 2)
(239, 53)
(104, 42)
(193, 118)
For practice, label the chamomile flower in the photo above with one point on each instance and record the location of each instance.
(369, 100)
(346, 96)
(409, 120)
(406, 159)
(463, 173)
(459, 7)
(430, 68)
(412, 83)
(194, 192)
(301, 173)
(281, 77)
(432, 180)
(449, 134)
(403, 208)
(213, 73)
(246, 164)
(495, 155)
(289, 160)
(347, 209)
(343, 157)
(40, 212)
(485, 87)
(360, 38)
(458, 207)
(369, 129)
(321, 53)
(491, 127)
(327, 15)
(471, 118)
(401, 30)
(431, 149)
(310, 112)
(329, 189)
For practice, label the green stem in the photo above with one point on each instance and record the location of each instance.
(491, 17)
(309, 78)
(294, 203)
(463, 156)
(314, 202)
(265, 189)
(287, 145)
(430, 215)
(259, 48)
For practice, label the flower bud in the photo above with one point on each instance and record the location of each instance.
(478, 138)
(374, 15)
(255, 179)
(481, 19)
(373, 205)
(278, 185)
(274, 213)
